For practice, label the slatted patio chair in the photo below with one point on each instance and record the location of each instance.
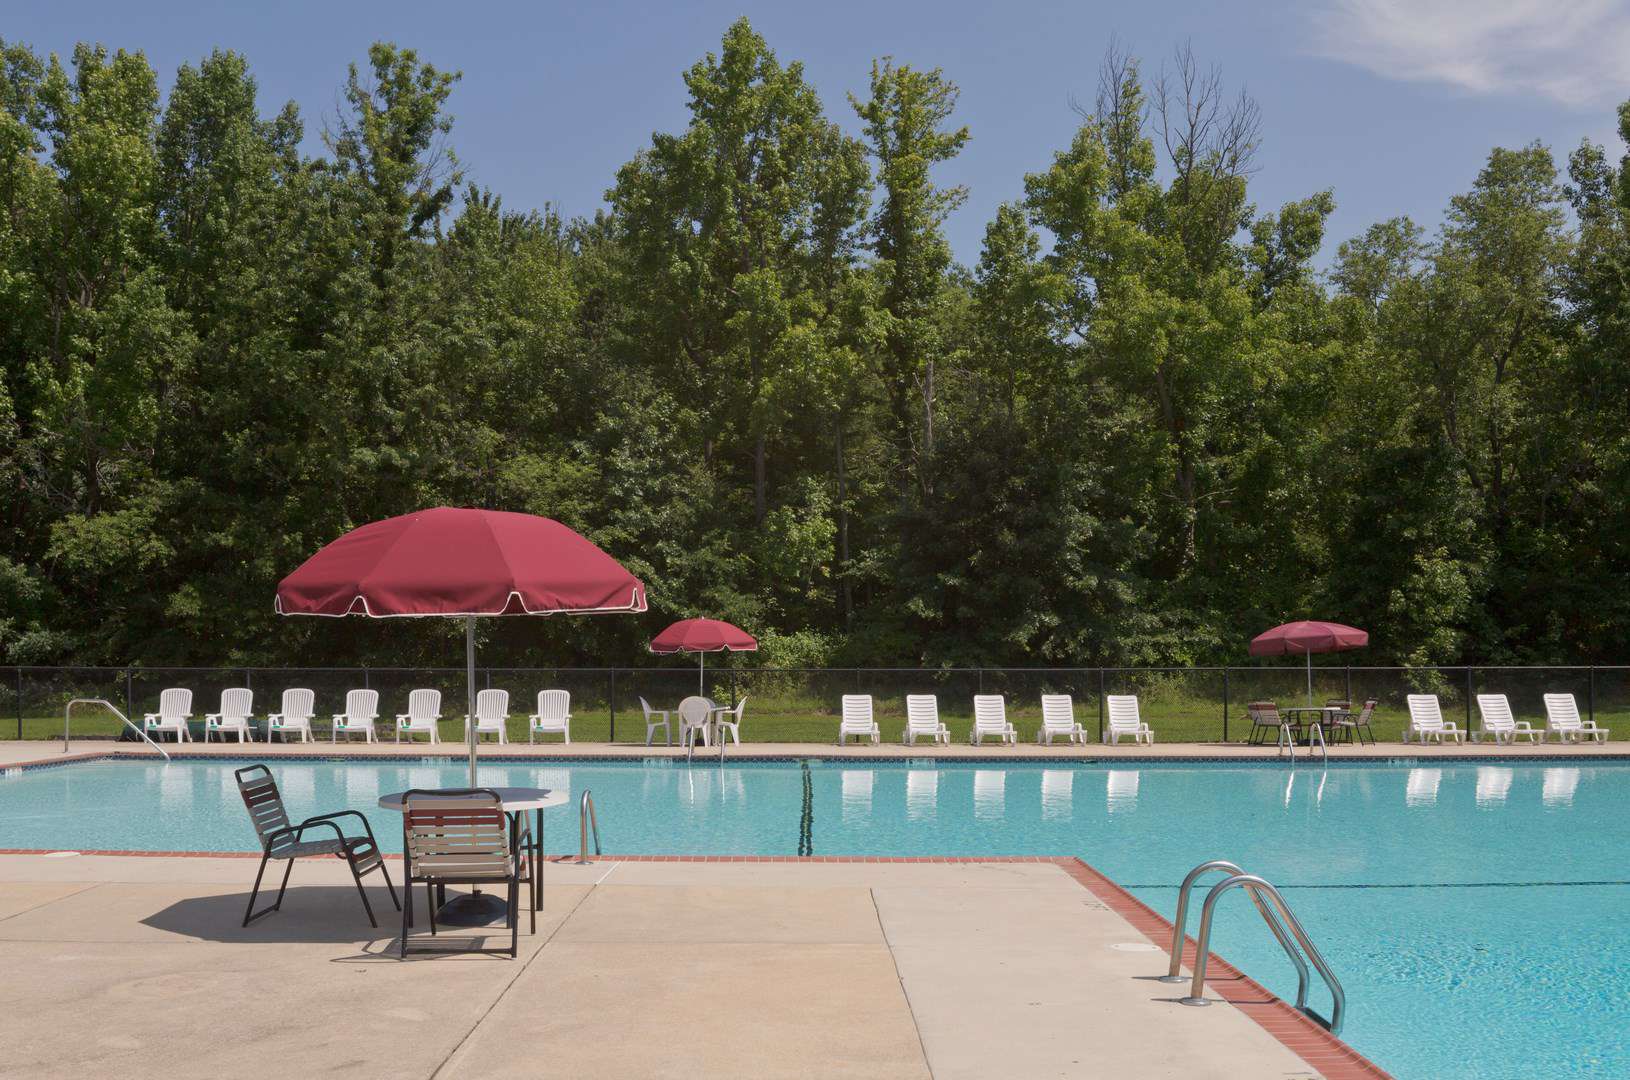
(174, 710)
(295, 715)
(1058, 718)
(1348, 725)
(491, 715)
(1426, 720)
(361, 710)
(923, 718)
(1562, 717)
(1495, 712)
(281, 840)
(424, 712)
(858, 720)
(990, 718)
(1265, 721)
(237, 705)
(554, 715)
(458, 837)
(1123, 717)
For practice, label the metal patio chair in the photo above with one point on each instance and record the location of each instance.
(459, 836)
(281, 840)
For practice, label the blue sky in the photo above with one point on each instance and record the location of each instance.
(1392, 103)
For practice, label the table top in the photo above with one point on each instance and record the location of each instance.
(514, 799)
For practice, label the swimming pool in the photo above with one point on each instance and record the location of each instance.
(1476, 912)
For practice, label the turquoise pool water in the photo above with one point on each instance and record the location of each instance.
(1477, 913)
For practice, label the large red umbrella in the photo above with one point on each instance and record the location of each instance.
(460, 563)
(1307, 638)
(702, 636)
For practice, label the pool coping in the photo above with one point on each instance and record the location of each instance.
(1326, 1053)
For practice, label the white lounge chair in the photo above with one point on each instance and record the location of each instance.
(857, 719)
(651, 725)
(554, 715)
(237, 705)
(294, 715)
(424, 712)
(1497, 721)
(990, 718)
(1426, 720)
(1562, 717)
(731, 722)
(695, 715)
(361, 710)
(1058, 719)
(1123, 717)
(923, 718)
(174, 710)
(491, 715)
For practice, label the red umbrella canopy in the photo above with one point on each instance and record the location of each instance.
(703, 635)
(451, 561)
(1296, 638)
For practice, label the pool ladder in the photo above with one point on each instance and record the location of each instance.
(68, 712)
(586, 820)
(1287, 740)
(1280, 919)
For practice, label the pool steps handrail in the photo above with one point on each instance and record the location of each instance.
(67, 714)
(1287, 739)
(1280, 919)
(586, 820)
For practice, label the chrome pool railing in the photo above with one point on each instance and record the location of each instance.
(67, 715)
(586, 820)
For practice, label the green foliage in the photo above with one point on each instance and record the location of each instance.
(1141, 428)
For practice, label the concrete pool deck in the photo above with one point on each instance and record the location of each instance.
(136, 966)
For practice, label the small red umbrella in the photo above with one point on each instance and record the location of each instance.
(1308, 638)
(702, 636)
(460, 563)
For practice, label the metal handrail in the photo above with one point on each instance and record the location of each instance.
(67, 714)
(1287, 739)
(586, 819)
(1259, 888)
(1173, 973)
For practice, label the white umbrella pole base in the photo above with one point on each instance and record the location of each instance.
(472, 909)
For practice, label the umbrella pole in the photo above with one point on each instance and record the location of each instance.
(701, 674)
(1309, 697)
(469, 674)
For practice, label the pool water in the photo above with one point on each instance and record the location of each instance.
(1478, 914)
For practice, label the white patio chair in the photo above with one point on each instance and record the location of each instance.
(554, 715)
(294, 714)
(1058, 718)
(174, 710)
(236, 707)
(361, 710)
(1124, 719)
(1495, 713)
(1562, 717)
(652, 725)
(726, 723)
(491, 715)
(1426, 719)
(990, 718)
(857, 719)
(923, 718)
(695, 715)
(424, 710)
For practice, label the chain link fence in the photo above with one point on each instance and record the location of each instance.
(1204, 704)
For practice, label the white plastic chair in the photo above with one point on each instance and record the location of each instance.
(725, 722)
(554, 715)
(424, 710)
(1123, 719)
(174, 710)
(990, 718)
(1426, 719)
(1562, 717)
(652, 725)
(491, 715)
(1058, 718)
(923, 718)
(1495, 712)
(236, 707)
(695, 715)
(857, 719)
(294, 715)
(361, 710)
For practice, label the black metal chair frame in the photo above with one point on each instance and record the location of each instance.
(521, 869)
(353, 849)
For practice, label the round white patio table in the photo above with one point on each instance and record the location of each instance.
(478, 908)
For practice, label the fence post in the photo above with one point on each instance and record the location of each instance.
(365, 677)
(1468, 701)
(1100, 704)
(130, 696)
(981, 680)
(19, 703)
(611, 703)
(1590, 697)
(1225, 704)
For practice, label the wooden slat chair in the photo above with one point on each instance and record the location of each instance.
(458, 837)
(281, 840)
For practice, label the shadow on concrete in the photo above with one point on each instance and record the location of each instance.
(314, 914)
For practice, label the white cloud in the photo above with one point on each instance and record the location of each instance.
(1576, 52)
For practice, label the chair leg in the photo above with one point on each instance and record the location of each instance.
(407, 916)
(388, 887)
(514, 917)
(430, 906)
(248, 912)
(361, 891)
(281, 889)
